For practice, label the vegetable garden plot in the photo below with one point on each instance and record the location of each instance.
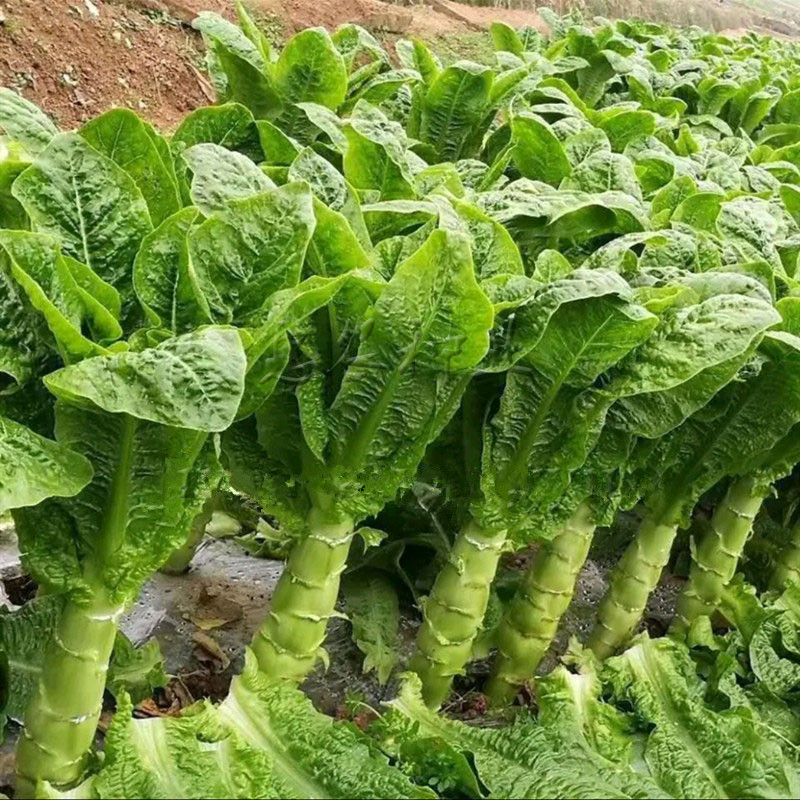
(423, 315)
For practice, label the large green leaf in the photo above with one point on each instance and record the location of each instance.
(695, 352)
(740, 425)
(191, 381)
(376, 157)
(238, 66)
(604, 172)
(139, 150)
(164, 277)
(89, 203)
(220, 175)
(538, 153)
(21, 121)
(46, 278)
(250, 249)
(523, 320)
(126, 521)
(532, 210)
(33, 468)
(311, 70)
(576, 749)
(693, 751)
(533, 442)
(230, 125)
(428, 331)
(454, 110)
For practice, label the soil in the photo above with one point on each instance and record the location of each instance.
(77, 58)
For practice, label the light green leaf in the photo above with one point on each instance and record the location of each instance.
(518, 329)
(504, 37)
(693, 751)
(101, 300)
(453, 117)
(603, 172)
(246, 79)
(538, 153)
(39, 269)
(220, 175)
(428, 331)
(628, 126)
(332, 189)
(577, 748)
(185, 757)
(33, 468)
(231, 126)
(254, 33)
(695, 352)
(121, 136)
(376, 157)
(164, 278)
(252, 248)
(21, 121)
(311, 70)
(192, 381)
(91, 205)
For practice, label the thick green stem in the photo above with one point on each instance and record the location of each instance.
(181, 558)
(632, 581)
(716, 555)
(61, 719)
(454, 610)
(289, 642)
(787, 569)
(531, 620)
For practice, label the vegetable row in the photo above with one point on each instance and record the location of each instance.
(549, 289)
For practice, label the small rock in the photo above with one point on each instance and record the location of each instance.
(2, 17)
(94, 12)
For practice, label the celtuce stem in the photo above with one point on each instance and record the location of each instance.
(454, 610)
(787, 569)
(289, 642)
(716, 555)
(61, 720)
(531, 620)
(632, 581)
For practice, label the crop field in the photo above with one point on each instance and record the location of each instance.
(431, 337)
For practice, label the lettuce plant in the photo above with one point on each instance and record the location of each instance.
(132, 316)
(689, 461)
(555, 326)
(635, 401)
(150, 402)
(716, 554)
(354, 445)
